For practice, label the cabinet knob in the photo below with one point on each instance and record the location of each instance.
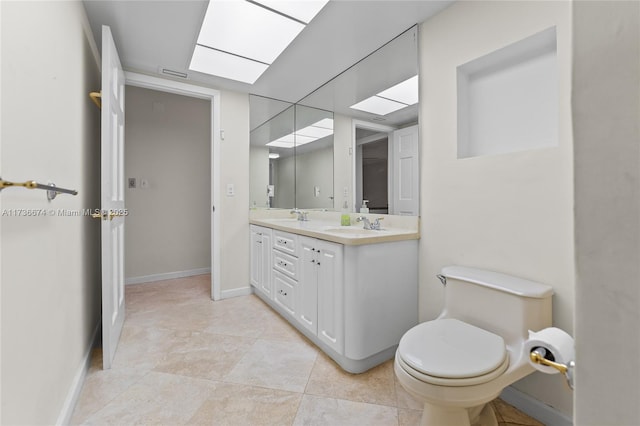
(313, 261)
(318, 263)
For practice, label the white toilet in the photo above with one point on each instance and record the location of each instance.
(460, 361)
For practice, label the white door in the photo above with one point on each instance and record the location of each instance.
(112, 198)
(405, 186)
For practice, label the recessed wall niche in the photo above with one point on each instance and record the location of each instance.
(508, 99)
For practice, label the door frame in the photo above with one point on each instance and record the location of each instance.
(382, 128)
(213, 95)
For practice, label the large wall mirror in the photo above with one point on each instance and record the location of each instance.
(375, 106)
(291, 155)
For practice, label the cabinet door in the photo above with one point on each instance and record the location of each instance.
(307, 291)
(261, 259)
(330, 295)
(256, 258)
(265, 266)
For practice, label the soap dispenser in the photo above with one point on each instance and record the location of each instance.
(345, 219)
(364, 208)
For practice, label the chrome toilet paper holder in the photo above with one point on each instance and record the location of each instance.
(539, 356)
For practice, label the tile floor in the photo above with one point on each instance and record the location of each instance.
(183, 359)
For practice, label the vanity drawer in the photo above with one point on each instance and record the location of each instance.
(284, 292)
(285, 242)
(285, 263)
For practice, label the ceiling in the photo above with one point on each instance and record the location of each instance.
(152, 35)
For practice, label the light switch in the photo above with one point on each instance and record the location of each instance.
(132, 183)
(231, 190)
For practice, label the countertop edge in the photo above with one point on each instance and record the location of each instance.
(348, 241)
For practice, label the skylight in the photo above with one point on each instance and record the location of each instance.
(319, 130)
(392, 99)
(239, 39)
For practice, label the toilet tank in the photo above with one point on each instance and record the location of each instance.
(502, 304)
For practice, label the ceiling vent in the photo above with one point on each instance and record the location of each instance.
(173, 73)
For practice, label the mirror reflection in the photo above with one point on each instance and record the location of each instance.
(291, 154)
(272, 168)
(374, 136)
(314, 158)
(379, 97)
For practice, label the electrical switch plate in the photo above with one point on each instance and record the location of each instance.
(231, 190)
(144, 183)
(316, 191)
(345, 192)
(132, 183)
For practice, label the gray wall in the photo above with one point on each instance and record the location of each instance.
(50, 264)
(167, 142)
(606, 117)
(314, 168)
(283, 171)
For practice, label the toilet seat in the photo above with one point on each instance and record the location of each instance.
(450, 352)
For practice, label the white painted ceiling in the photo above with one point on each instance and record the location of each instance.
(151, 35)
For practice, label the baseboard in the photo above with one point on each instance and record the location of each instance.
(78, 381)
(166, 276)
(534, 408)
(235, 292)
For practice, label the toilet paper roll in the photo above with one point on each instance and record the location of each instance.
(558, 344)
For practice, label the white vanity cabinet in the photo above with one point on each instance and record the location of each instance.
(261, 259)
(320, 290)
(354, 301)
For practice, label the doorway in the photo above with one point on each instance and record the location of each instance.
(213, 97)
(372, 161)
(167, 186)
(372, 169)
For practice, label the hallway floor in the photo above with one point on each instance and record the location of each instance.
(184, 359)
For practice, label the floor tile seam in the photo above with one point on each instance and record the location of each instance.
(109, 401)
(265, 387)
(360, 402)
(354, 400)
(211, 333)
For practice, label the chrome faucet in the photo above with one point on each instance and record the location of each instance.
(368, 225)
(302, 216)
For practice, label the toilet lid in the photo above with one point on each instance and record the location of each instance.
(453, 349)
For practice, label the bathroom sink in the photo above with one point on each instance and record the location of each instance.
(351, 231)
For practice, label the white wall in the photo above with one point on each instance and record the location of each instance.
(234, 218)
(606, 105)
(167, 142)
(50, 265)
(513, 212)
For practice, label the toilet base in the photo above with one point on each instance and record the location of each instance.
(436, 415)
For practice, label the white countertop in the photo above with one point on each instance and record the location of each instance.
(330, 230)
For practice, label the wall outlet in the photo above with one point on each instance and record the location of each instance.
(132, 183)
(231, 190)
(345, 191)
